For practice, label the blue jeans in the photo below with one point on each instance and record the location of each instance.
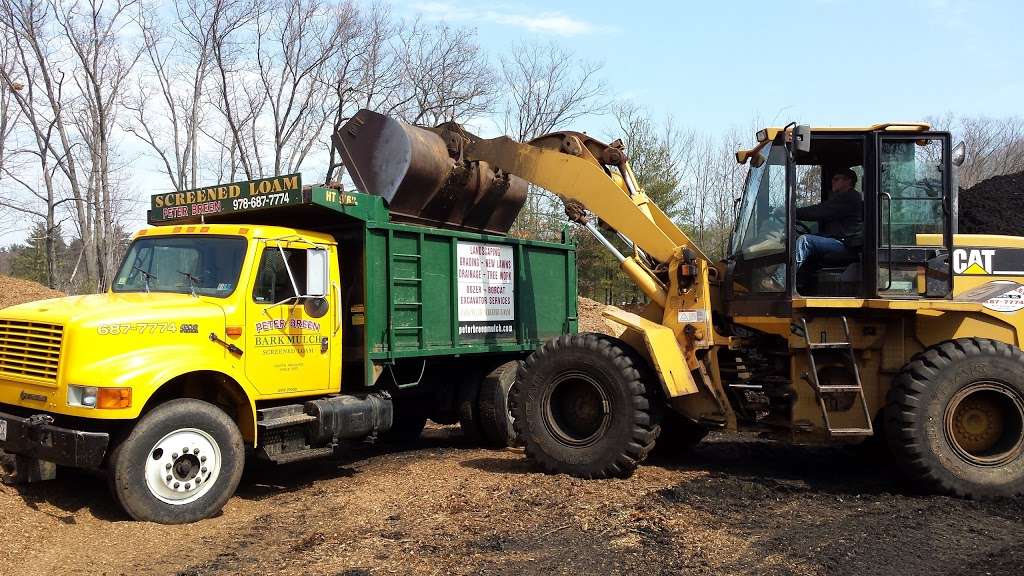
(809, 246)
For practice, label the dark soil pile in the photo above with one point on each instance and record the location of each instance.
(993, 206)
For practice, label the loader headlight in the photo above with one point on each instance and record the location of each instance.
(82, 396)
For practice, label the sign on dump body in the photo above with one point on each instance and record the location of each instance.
(226, 198)
(486, 291)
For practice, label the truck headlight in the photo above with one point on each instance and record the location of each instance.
(99, 397)
(82, 396)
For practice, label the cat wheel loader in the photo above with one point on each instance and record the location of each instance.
(912, 334)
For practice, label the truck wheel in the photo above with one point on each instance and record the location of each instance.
(469, 408)
(181, 463)
(955, 419)
(408, 421)
(678, 434)
(581, 407)
(495, 419)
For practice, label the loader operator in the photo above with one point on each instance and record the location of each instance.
(840, 221)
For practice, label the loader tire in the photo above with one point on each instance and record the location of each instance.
(581, 406)
(495, 418)
(181, 463)
(955, 418)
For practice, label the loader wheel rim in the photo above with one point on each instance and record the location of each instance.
(183, 466)
(576, 409)
(985, 423)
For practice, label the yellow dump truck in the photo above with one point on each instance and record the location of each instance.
(280, 320)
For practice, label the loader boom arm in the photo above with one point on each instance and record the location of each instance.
(582, 178)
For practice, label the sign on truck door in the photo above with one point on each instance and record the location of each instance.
(289, 341)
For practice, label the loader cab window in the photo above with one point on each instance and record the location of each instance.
(912, 183)
(829, 215)
(759, 240)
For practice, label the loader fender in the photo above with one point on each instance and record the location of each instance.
(662, 348)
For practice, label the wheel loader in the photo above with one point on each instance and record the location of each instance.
(911, 334)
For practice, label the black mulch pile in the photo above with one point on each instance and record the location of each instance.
(993, 206)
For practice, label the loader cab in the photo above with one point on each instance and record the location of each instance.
(903, 176)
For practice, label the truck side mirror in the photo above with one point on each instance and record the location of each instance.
(316, 273)
(802, 138)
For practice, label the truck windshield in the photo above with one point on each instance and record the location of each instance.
(201, 265)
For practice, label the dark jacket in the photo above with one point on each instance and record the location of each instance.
(840, 217)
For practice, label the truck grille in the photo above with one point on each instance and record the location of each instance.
(30, 350)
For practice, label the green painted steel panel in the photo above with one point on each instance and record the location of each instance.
(413, 299)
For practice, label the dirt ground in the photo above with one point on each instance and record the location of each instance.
(734, 506)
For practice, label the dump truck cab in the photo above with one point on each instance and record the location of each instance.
(904, 177)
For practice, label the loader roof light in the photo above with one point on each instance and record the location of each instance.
(762, 135)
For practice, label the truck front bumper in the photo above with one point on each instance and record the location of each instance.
(36, 437)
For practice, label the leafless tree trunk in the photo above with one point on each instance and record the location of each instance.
(38, 87)
(296, 46)
(179, 58)
(92, 30)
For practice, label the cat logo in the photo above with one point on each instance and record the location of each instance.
(973, 261)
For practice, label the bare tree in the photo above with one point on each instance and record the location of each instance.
(445, 74)
(169, 110)
(547, 88)
(38, 88)
(296, 45)
(93, 30)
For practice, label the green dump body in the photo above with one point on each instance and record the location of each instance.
(411, 291)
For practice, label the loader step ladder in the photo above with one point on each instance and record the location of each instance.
(822, 390)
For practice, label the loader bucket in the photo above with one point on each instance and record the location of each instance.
(421, 174)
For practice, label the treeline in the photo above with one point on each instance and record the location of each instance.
(220, 90)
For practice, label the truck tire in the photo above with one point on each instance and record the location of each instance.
(955, 418)
(678, 435)
(408, 421)
(469, 408)
(181, 463)
(580, 406)
(495, 419)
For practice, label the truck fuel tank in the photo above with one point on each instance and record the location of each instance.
(422, 175)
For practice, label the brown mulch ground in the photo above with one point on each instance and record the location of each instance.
(17, 291)
(591, 319)
(736, 505)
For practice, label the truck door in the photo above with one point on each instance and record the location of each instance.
(913, 199)
(289, 340)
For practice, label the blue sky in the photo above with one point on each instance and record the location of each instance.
(714, 65)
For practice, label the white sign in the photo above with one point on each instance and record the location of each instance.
(691, 317)
(1009, 301)
(486, 290)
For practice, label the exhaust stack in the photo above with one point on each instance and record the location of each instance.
(423, 176)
